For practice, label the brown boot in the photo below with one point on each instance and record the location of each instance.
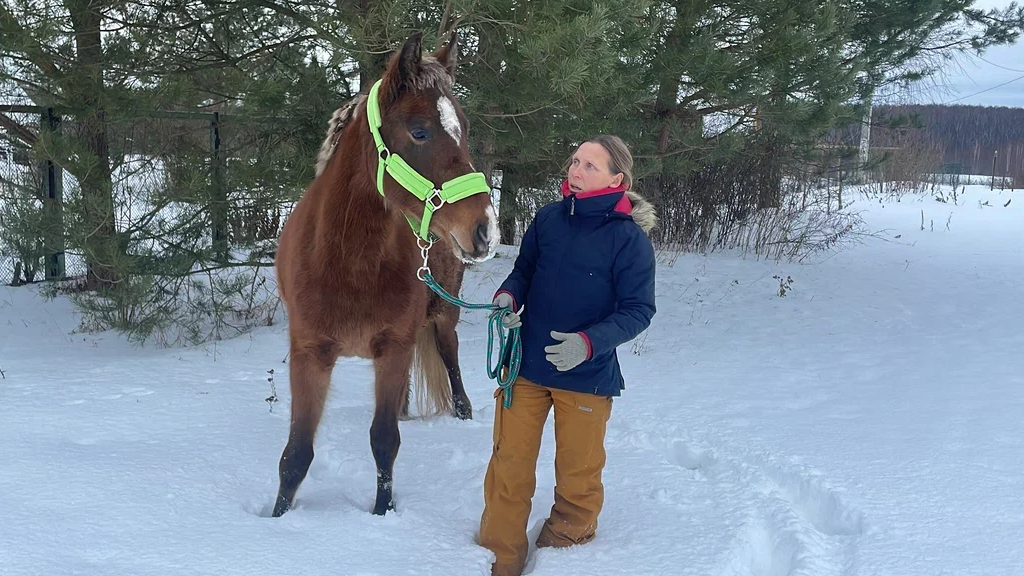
(511, 477)
(550, 538)
(506, 569)
(580, 424)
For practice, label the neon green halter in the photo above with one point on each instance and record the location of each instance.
(433, 198)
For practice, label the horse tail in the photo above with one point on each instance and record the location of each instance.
(430, 375)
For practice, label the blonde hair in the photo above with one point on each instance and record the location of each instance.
(621, 158)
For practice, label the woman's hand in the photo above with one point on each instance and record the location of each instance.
(510, 320)
(572, 351)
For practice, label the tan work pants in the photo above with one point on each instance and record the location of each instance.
(580, 423)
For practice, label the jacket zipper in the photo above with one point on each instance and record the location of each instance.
(572, 205)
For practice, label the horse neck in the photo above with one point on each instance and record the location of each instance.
(357, 227)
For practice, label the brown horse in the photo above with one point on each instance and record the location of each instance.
(347, 262)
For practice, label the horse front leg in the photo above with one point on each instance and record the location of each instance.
(310, 373)
(448, 348)
(391, 386)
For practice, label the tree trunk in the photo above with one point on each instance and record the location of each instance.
(509, 205)
(489, 52)
(668, 114)
(100, 242)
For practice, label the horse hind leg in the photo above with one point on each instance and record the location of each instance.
(310, 380)
(392, 375)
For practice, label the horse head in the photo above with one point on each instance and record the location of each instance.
(422, 123)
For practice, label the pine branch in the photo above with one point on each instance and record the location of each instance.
(34, 50)
(443, 26)
(705, 142)
(521, 114)
(720, 108)
(228, 61)
(14, 128)
(160, 26)
(17, 186)
(305, 20)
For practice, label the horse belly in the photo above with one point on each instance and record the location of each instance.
(356, 320)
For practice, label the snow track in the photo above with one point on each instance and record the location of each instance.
(784, 521)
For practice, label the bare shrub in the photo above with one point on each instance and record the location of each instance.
(906, 169)
(212, 304)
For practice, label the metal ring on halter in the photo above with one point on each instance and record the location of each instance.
(440, 200)
(425, 253)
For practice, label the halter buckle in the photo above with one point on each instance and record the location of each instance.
(436, 204)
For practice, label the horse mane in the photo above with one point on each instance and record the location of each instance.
(339, 119)
(431, 74)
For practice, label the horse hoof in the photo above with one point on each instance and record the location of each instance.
(462, 410)
(381, 510)
(280, 508)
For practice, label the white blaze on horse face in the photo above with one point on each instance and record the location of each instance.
(493, 236)
(449, 118)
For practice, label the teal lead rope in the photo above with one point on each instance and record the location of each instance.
(506, 342)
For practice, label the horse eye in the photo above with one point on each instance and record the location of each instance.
(420, 134)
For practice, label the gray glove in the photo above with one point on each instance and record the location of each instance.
(570, 353)
(510, 320)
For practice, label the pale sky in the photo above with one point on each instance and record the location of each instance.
(961, 83)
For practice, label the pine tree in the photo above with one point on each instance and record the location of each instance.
(784, 73)
(540, 77)
(149, 201)
(535, 78)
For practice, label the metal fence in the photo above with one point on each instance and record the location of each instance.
(141, 149)
(28, 187)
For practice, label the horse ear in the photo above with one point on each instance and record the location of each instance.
(404, 67)
(409, 58)
(448, 55)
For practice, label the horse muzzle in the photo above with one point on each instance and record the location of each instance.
(485, 240)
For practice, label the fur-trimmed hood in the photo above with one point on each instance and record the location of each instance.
(643, 212)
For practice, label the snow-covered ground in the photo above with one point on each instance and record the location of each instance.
(869, 422)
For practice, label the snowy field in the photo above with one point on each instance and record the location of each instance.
(870, 422)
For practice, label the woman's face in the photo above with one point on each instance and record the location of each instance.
(589, 169)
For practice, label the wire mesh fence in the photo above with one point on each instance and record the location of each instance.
(26, 188)
(173, 182)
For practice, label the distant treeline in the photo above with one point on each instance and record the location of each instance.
(969, 136)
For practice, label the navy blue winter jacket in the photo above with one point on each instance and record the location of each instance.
(584, 265)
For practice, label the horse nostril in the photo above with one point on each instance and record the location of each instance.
(480, 235)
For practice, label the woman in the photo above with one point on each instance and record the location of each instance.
(585, 279)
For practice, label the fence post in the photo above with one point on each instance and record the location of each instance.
(53, 202)
(1006, 170)
(992, 185)
(840, 196)
(219, 200)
